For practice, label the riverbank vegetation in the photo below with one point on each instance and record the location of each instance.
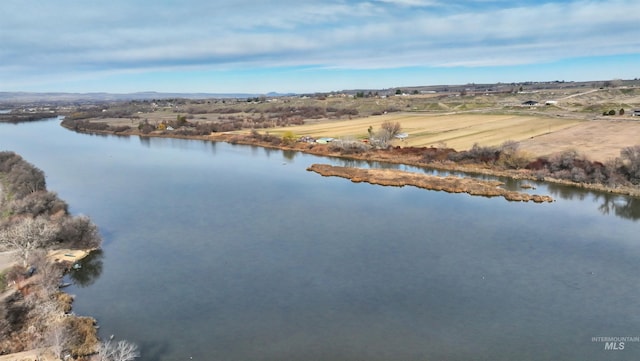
(544, 131)
(21, 116)
(619, 175)
(34, 313)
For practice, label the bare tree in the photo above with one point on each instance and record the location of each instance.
(50, 273)
(120, 351)
(631, 159)
(37, 203)
(57, 338)
(79, 232)
(28, 234)
(383, 137)
(24, 178)
(391, 128)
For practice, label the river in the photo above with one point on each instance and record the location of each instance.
(215, 251)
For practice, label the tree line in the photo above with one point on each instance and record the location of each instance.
(567, 165)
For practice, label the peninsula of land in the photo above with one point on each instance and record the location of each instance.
(449, 184)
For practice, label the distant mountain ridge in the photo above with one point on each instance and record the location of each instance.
(27, 97)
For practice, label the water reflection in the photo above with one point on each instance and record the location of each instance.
(609, 204)
(89, 271)
(211, 145)
(268, 151)
(289, 154)
(567, 192)
(624, 207)
(145, 141)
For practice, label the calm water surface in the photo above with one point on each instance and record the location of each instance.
(222, 252)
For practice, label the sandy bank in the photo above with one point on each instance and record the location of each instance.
(68, 255)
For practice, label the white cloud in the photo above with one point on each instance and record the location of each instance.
(68, 36)
(418, 3)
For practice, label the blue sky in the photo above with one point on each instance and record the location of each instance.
(224, 46)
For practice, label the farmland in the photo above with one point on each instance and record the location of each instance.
(458, 131)
(587, 118)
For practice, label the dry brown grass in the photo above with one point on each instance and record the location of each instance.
(458, 131)
(600, 139)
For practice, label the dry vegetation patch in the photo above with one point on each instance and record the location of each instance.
(450, 184)
(599, 140)
(458, 131)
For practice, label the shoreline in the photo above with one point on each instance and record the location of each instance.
(42, 242)
(394, 155)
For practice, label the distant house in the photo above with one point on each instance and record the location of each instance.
(530, 103)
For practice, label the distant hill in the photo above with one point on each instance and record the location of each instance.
(26, 97)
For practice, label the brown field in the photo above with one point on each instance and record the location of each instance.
(458, 131)
(597, 139)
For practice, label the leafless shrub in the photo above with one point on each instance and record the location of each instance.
(79, 233)
(381, 139)
(13, 314)
(8, 160)
(613, 172)
(509, 147)
(436, 154)
(477, 153)
(563, 161)
(120, 351)
(511, 157)
(630, 157)
(391, 128)
(185, 132)
(349, 112)
(579, 175)
(49, 273)
(204, 128)
(82, 336)
(145, 127)
(21, 177)
(348, 146)
(37, 203)
(57, 338)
